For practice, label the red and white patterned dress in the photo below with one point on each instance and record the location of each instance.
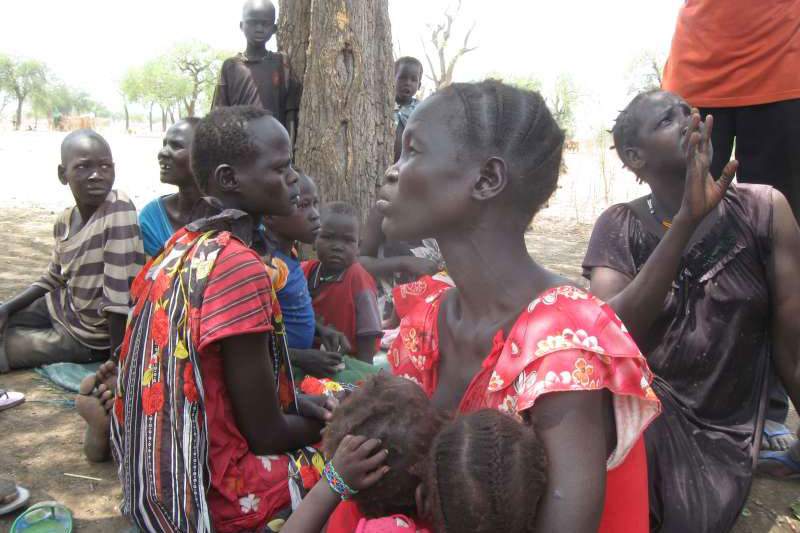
(566, 340)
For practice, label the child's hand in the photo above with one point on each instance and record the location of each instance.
(416, 267)
(360, 461)
(318, 363)
(702, 193)
(334, 340)
(318, 407)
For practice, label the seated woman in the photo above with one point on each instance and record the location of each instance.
(164, 216)
(730, 317)
(205, 410)
(478, 161)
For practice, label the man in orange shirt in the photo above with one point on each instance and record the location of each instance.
(740, 61)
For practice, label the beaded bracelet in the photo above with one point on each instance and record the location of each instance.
(336, 483)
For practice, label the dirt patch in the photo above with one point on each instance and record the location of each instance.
(42, 439)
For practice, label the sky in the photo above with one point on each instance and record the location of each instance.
(90, 43)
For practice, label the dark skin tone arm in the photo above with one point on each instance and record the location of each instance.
(784, 281)
(20, 301)
(366, 348)
(385, 267)
(639, 301)
(577, 473)
(251, 385)
(116, 330)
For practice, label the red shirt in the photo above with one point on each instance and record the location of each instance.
(349, 302)
(732, 53)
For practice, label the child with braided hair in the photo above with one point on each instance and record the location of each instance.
(409, 468)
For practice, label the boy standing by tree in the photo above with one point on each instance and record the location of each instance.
(76, 312)
(407, 78)
(257, 76)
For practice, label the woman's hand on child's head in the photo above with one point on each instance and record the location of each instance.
(702, 193)
(360, 461)
(318, 407)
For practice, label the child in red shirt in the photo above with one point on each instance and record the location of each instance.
(343, 293)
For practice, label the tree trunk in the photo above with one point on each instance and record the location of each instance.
(127, 118)
(346, 135)
(151, 116)
(20, 102)
(163, 118)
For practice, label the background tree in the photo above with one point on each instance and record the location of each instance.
(441, 62)
(562, 97)
(645, 72)
(346, 135)
(200, 64)
(22, 77)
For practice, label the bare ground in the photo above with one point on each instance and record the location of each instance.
(42, 439)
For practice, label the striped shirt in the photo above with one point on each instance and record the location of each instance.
(91, 270)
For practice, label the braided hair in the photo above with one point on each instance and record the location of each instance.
(221, 137)
(396, 411)
(487, 473)
(514, 124)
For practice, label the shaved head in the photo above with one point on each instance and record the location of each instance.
(257, 6)
(78, 137)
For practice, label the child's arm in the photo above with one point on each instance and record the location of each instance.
(366, 347)
(359, 462)
(247, 368)
(331, 338)
(368, 316)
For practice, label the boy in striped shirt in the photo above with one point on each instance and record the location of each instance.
(76, 311)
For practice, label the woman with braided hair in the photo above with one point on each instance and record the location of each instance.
(477, 163)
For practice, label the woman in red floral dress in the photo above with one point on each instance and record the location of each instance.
(478, 161)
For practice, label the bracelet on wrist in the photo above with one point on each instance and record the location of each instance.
(336, 483)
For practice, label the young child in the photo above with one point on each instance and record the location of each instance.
(257, 76)
(206, 343)
(402, 467)
(343, 293)
(76, 311)
(407, 78)
(165, 215)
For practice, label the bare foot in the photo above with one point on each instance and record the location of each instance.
(107, 375)
(94, 402)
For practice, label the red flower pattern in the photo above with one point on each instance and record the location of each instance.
(160, 327)
(153, 398)
(189, 386)
(309, 475)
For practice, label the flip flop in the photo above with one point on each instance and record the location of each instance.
(779, 430)
(9, 399)
(770, 459)
(22, 498)
(44, 517)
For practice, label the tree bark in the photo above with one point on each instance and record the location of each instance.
(346, 135)
(20, 102)
(151, 116)
(127, 118)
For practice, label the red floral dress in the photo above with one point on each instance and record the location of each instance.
(566, 340)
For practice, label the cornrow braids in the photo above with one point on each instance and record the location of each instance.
(221, 137)
(396, 411)
(516, 125)
(486, 473)
(626, 125)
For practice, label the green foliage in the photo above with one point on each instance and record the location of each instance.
(185, 76)
(22, 78)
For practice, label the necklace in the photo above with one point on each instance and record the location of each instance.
(667, 223)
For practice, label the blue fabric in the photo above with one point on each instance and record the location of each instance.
(295, 300)
(155, 226)
(67, 375)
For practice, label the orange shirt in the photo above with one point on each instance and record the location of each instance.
(732, 53)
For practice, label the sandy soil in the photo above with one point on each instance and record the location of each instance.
(42, 439)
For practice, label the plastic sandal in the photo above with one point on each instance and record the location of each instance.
(767, 461)
(22, 498)
(9, 399)
(44, 517)
(778, 430)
